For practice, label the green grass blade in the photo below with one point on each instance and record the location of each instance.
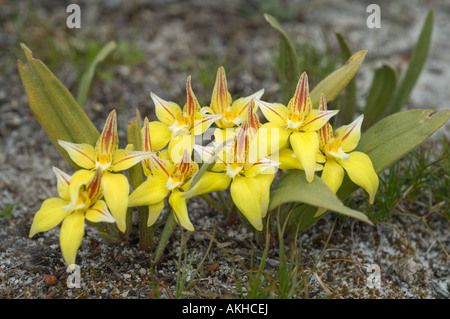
(418, 58)
(347, 110)
(334, 83)
(380, 94)
(288, 62)
(85, 82)
(55, 108)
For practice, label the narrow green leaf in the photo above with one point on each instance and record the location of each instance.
(416, 63)
(86, 79)
(334, 83)
(293, 187)
(288, 63)
(134, 138)
(348, 105)
(380, 94)
(393, 137)
(55, 108)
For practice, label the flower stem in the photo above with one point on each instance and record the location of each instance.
(165, 236)
(145, 233)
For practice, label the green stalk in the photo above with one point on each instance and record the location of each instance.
(167, 232)
(136, 178)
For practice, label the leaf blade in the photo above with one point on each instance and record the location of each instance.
(288, 63)
(293, 187)
(55, 108)
(334, 83)
(416, 63)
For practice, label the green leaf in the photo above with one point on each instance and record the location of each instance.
(334, 83)
(393, 137)
(134, 138)
(288, 63)
(293, 187)
(380, 94)
(86, 79)
(55, 108)
(348, 107)
(416, 63)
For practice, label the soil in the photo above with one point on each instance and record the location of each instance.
(176, 38)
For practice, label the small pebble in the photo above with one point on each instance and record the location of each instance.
(50, 280)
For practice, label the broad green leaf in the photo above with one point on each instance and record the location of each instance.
(416, 63)
(380, 94)
(288, 63)
(393, 137)
(86, 79)
(55, 108)
(348, 101)
(293, 187)
(334, 83)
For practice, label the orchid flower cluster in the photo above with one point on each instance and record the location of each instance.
(244, 157)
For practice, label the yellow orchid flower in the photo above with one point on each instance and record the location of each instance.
(248, 175)
(299, 122)
(80, 199)
(338, 155)
(182, 125)
(164, 177)
(233, 112)
(107, 158)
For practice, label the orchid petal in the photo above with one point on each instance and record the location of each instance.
(202, 122)
(99, 213)
(150, 192)
(48, 216)
(300, 104)
(167, 112)
(316, 119)
(78, 179)
(108, 141)
(306, 146)
(241, 104)
(154, 211)
(116, 189)
(350, 134)
(251, 197)
(270, 139)
(192, 106)
(360, 169)
(178, 145)
(263, 166)
(71, 235)
(82, 154)
(333, 174)
(209, 182)
(160, 136)
(124, 159)
(275, 113)
(221, 98)
(179, 207)
(62, 183)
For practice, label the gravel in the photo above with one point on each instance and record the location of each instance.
(412, 264)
